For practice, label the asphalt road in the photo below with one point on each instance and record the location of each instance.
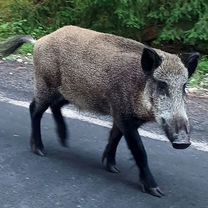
(74, 177)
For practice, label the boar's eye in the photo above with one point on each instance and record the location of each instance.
(162, 88)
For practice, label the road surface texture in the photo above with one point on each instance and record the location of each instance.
(74, 177)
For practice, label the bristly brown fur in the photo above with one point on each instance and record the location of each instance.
(93, 70)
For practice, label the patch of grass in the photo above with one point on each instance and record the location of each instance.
(200, 78)
(25, 49)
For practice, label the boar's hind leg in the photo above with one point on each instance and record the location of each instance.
(57, 103)
(44, 94)
(129, 128)
(110, 150)
(36, 111)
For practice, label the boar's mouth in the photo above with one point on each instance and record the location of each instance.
(179, 140)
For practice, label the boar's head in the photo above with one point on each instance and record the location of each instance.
(167, 76)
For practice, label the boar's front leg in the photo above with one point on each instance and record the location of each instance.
(129, 129)
(110, 150)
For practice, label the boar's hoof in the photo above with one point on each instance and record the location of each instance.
(109, 166)
(112, 168)
(156, 192)
(38, 151)
(153, 191)
(181, 145)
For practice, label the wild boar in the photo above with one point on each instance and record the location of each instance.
(110, 75)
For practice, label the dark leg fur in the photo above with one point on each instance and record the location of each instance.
(129, 129)
(36, 112)
(110, 150)
(56, 106)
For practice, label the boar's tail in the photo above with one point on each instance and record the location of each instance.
(11, 45)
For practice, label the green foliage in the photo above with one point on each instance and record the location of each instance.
(181, 21)
(200, 77)
(25, 49)
(177, 22)
(184, 21)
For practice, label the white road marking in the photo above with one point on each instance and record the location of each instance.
(76, 115)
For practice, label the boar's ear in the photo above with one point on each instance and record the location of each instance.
(191, 63)
(150, 60)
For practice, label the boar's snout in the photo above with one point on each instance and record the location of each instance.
(182, 141)
(178, 132)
